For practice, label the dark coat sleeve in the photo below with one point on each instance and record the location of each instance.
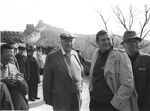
(47, 80)
(21, 84)
(5, 98)
(148, 65)
(27, 69)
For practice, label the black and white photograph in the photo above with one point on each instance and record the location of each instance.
(75, 55)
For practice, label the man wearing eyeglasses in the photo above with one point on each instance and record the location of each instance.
(141, 68)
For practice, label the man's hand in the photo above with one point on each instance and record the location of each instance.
(10, 81)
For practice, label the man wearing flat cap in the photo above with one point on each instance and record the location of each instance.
(62, 81)
(141, 68)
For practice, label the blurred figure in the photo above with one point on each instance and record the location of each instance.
(141, 68)
(12, 77)
(34, 77)
(23, 61)
(39, 58)
(15, 47)
(86, 63)
(112, 83)
(6, 102)
(62, 80)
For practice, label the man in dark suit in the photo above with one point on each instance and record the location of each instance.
(141, 68)
(62, 81)
(22, 61)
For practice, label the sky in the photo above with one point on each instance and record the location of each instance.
(77, 16)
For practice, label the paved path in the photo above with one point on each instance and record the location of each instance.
(39, 105)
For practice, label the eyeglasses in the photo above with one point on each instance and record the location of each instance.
(130, 41)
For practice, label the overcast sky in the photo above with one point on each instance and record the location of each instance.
(77, 16)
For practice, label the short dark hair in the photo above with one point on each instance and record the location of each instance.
(100, 33)
(6, 46)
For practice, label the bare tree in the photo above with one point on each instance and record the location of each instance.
(103, 20)
(146, 22)
(123, 20)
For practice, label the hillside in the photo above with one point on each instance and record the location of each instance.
(85, 43)
(49, 35)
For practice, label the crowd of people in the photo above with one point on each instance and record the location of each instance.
(119, 80)
(21, 68)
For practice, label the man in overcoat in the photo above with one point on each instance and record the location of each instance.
(62, 81)
(23, 61)
(34, 77)
(140, 66)
(112, 83)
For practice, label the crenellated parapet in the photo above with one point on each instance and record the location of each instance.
(8, 36)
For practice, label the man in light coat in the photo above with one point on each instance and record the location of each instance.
(141, 68)
(112, 83)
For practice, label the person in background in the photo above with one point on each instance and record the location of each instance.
(85, 63)
(23, 61)
(140, 66)
(12, 77)
(34, 78)
(112, 82)
(39, 58)
(15, 47)
(5, 98)
(62, 80)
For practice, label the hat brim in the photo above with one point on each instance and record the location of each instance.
(137, 38)
(21, 47)
(67, 37)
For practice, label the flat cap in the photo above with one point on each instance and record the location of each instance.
(130, 35)
(66, 35)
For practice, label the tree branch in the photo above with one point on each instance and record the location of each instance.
(120, 17)
(105, 22)
(131, 18)
(147, 19)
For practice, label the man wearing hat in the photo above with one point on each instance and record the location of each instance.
(22, 61)
(141, 68)
(62, 81)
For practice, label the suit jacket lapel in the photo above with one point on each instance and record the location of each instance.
(62, 61)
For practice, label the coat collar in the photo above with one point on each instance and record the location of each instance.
(138, 59)
(109, 63)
